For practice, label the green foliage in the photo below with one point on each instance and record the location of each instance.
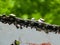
(47, 9)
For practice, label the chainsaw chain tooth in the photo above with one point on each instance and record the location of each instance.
(17, 26)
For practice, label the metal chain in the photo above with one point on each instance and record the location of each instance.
(39, 25)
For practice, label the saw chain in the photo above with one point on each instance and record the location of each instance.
(20, 23)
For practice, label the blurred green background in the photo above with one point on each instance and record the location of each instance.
(46, 9)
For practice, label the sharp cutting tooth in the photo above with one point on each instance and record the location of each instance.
(12, 15)
(41, 20)
(17, 26)
(33, 19)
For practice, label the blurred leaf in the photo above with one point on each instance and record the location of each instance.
(36, 15)
(25, 16)
(49, 17)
